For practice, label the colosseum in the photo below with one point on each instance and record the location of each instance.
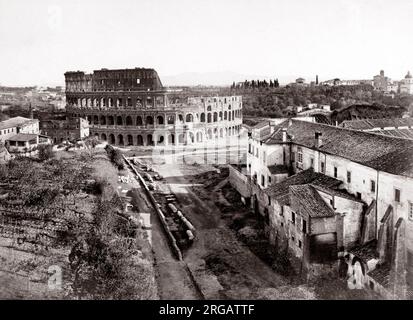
(131, 107)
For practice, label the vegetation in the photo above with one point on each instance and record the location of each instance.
(115, 155)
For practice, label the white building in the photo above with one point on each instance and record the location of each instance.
(406, 84)
(13, 126)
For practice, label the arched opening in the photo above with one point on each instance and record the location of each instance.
(221, 132)
(104, 138)
(171, 139)
(129, 139)
(111, 121)
(149, 121)
(209, 134)
(189, 118)
(140, 140)
(119, 121)
(139, 121)
(199, 136)
(191, 137)
(229, 116)
(110, 102)
(129, 121)
(225, 115)
(171, 119)
(180, 118)
(112, 139)
(89, 119)
(233, 115)
(161, 139)
(215, 117)
(181, 138)
(202, 117)
(95, 119)
(215, 133)
(120, 140)
(220, 116)
(103, 120)
(159, 120)
(149, 140)
(209, 117)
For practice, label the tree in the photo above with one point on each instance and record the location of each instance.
(45, 152)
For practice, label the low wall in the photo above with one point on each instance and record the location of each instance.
(171, 238)
(239, 181)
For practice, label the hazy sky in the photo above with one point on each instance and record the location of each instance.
(349, 39)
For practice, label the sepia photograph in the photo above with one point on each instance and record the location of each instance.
(231, 152)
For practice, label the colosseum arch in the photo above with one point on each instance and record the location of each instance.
(181, 138)
(111, 120)
(149, 140)
(129, 121)
(196, 118)
(103, 137)
(221, 133)
(191, 137)
(119, 121)
(140, 140)
(189, 118)
(199, 136)
(95, 119)
(215, 133)
(202, 117)
(139, 121)
(233, 114)
(215, 117)
(209, 117)
(225, 115)
(171, 119)
(159, 120)
(180, 118)
(220, 116)
(103, 120)
(119, 102)
(103, 102)
(130, 140)
(160, 140)
(209, 108)
(112, 139)
(149, 120)
(95, 102)
(120, 140)
(171, 138)
(110, 102)
(209, 133)
(229, 116)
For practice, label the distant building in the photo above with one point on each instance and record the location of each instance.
(13, 126)
(406, 85)
(70, 129)
(300, 81)
(380, 81)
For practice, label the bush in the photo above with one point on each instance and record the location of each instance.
(45, 152)
(115, 156)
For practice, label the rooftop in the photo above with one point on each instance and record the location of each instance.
(311, 201)
(366, 124)
(13, 122)
(384, 153)
(278, 169)
(280, 191)
(23, 137)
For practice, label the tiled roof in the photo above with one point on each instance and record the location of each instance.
(13, 122)
(399, 133)
(280, 191)
(278, 169)
(365, 124)
(342, 193)
(381, 274)
(311, 201)
(366, 252)
(23, 137)
(380, 152)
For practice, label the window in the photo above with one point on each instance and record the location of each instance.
(299, 243)
(348, 176)
(397, 195)
(282, 224)
(358, 195)
(304, 227)
(249, 148)
(312, 162)
(263, 156)
(269, 200)
(410, 210)
(372, 185)
(269, 179)
(293, 217)
(138, 81)
(262, 180)
(292, 238)
(335, 172)
(300, 155)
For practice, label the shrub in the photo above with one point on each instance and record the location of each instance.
(45, 152)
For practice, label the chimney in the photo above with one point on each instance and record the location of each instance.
(284, 132)
(317, 139)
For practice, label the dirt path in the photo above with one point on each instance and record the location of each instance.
(172, 277)
(217, 253)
